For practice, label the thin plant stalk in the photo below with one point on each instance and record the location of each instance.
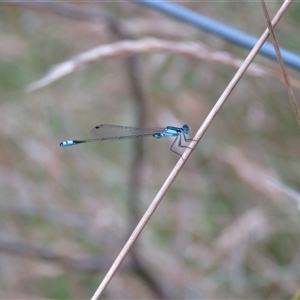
(144, 220)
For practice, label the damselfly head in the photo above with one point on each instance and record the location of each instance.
(186, 129)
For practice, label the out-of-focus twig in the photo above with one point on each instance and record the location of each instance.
(149, 45)
(258, 178)
(281, 63)
(86, 264)
(139, 107)
(250, 225)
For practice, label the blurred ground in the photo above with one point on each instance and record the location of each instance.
(228, 228)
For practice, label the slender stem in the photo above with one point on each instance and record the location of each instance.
(187, 153)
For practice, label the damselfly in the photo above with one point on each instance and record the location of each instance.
(105, 132)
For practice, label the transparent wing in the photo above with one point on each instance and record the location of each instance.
(112, 132)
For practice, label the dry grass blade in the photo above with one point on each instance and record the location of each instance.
(258, 178)
(281, 63)
(252, 223)
(194, 50)
(186, 154)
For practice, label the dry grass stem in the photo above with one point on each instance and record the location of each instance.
(186, 154)
(150, 45)
(281, 63)
(257, 177)
(252, 223)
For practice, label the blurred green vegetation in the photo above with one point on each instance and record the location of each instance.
(222, 231)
